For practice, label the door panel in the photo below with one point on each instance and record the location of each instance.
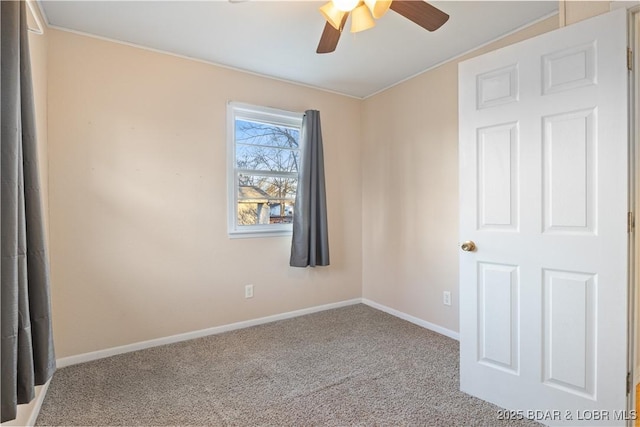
(543, 194)
(497, 177)
(569, 331)
(569, 172)
(498, 311)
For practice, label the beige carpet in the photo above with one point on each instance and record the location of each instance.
(349, 366)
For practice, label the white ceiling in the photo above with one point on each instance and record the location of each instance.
(279, 38)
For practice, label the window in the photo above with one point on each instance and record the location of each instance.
(263, 154)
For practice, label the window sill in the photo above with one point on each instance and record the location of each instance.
(259, 234)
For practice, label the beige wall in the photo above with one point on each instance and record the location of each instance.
(410, 185)
(575, 11)
(138, 198)
(137, 181)
(410, 191)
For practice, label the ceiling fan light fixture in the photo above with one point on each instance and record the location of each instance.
(361, 19)
(345, 5)
(378, 7)
(332, 14)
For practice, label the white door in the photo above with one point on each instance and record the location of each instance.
(543, 187)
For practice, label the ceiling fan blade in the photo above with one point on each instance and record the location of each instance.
(330, 37)
(422, 13)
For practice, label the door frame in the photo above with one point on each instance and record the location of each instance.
(633, 27)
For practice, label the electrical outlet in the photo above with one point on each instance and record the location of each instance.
(248, 291)
(446, 298)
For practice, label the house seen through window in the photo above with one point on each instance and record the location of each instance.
(264, 151)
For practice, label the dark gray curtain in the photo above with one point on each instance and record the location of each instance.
(310, 244)
(27, 346)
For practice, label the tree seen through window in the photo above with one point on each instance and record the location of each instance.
(267, 158)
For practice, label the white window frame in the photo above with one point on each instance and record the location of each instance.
(236, 110)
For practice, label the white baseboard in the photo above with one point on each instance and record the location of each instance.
(38, 404)
(101, 354)
(427, 325)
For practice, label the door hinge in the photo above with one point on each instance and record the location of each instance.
(631, 222)
(629, 59)
(628, 382)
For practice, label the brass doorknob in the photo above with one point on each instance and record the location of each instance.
(468, 246)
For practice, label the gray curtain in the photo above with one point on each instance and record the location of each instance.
(310, 243)
(27, 347)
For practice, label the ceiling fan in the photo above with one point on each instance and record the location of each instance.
(363, 13)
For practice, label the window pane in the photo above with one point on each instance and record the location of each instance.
(260, 212)
(266, 187)
(255, 133)
(252, 212)
(266, 158)
(281, 212)
(263, 165)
